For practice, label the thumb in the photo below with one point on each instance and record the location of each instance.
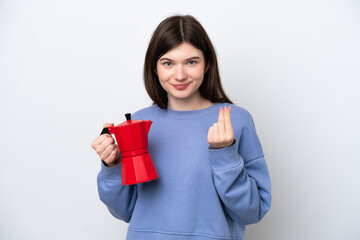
(108, 125)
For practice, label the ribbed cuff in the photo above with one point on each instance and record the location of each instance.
(111, 174)
(224, 158)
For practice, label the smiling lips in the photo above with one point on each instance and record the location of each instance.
(181, 86)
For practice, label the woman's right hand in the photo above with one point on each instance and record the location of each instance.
(108, 151)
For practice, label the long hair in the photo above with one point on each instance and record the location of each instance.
(170, 33)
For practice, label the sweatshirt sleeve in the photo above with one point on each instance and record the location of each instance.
(119, 199)
(241, 176)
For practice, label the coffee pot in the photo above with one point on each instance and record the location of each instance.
(132, 139)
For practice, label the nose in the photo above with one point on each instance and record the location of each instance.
(180, 73)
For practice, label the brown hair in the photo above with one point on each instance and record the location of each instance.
(170, 33)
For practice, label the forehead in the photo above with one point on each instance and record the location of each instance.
(183, 51)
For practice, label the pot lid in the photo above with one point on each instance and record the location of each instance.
(129, 121)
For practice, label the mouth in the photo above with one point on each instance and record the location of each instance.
(181, 86)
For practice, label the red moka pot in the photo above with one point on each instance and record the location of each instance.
(132, 139)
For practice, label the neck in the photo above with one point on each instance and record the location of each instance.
(189, 104)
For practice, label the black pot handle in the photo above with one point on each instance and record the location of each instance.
(105, 131)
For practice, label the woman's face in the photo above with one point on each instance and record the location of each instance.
(181, 71)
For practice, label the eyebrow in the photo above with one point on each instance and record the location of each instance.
(168, 59)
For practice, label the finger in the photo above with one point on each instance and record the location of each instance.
(107, 151)
(210, 135)
(104, 144)
(108, 125)
(221, 115)
(102, 137)
(221, 121)
(215, 131)
(107, 142)
(228, 125)
(112, 157)
(99, 140)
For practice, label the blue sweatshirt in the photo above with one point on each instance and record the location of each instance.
(201, 193)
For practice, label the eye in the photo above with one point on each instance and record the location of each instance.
(191, 62)
(167, 64)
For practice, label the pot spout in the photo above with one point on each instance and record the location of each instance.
(147, 124)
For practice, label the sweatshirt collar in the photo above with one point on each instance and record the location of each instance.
(190, 114)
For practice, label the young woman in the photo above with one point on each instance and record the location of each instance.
(213, 179)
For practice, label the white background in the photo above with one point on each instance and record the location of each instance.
(66, 67)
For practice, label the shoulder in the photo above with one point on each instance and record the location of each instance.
(238, 113)
(240, 117)
(146, 113)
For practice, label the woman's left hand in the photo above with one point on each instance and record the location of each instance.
(221, 134)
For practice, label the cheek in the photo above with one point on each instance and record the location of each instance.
(198, 75)
(163, 79)
(163, 75)
(163, 85)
